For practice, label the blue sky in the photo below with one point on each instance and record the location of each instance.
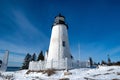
(25, 27)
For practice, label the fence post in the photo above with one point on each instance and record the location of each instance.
(66, 64)
(51, 63)
(79, 63)
(29, 66)
(88, 63)
(59, 64)
(40, 64)
(44, 65)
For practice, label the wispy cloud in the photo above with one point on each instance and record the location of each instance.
(25, 34)
(24, 37)
(25, 25)
(12, 47)
(90, 50)
(14, 58)
(115, 50)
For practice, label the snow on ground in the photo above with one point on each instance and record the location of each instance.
(103, 72)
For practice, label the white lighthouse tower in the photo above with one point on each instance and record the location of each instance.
(59, 45)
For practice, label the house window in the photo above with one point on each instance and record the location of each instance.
(63, 43)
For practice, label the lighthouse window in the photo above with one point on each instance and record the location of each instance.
(63, 43)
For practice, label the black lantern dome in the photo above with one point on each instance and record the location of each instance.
(60, 20)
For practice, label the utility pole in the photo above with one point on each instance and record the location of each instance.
(79, 52)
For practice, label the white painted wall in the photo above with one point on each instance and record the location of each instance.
(46, 55)
(56, 50)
